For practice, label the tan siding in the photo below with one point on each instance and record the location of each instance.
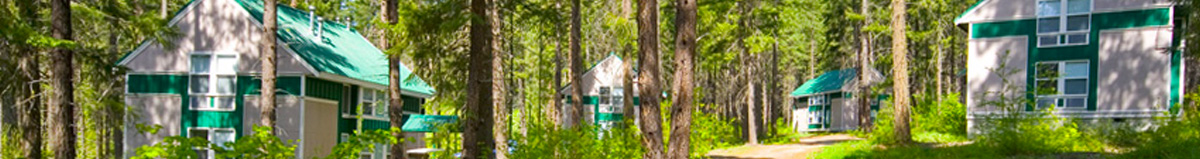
(320, 123)
(287, 116)
(984, 55)
(1134, 71)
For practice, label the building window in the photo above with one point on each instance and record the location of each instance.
(605, 95)
(374, 102)
(1062, 84)
(1063, 22)
(816, 100)
(618, 100)
(816, 117)
(212, 81)
(348, 107)
(219, 136)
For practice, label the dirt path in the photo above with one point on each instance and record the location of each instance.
(800, 150)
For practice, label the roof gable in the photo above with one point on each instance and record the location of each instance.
(827, 82)
(341, 50)
(607, 65)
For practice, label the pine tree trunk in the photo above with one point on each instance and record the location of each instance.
(556, 103)
(62, 98)
(477, 137)
(627, 83)
(651, 116)
(395, 84)
(499, 100)
(681, 109)
(30, 119)
(267, 102)
(576, 67)
(751, 119)
(863, 91)
(162, 11)
(900, 68)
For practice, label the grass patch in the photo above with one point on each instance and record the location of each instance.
(937, 137)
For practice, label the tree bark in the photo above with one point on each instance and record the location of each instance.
(162, 9)
(900, 68)
(30, 106)
(477, 137)
(864, 58)
(555, 111)
(395, 84)
(651, 116)
(751, 118)
(576, 67)
(62, 98)
(267, 102)
(681, 109)
(627, 80)
(499, 100)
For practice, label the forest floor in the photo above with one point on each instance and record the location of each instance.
(803, 149)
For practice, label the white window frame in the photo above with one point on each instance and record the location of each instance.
(817, 100)
(348, 105)
(213, 77)
(618, 93)
(211, 131)
(1060, 87)
(816, 117)
(1062, 34)
(375, 113)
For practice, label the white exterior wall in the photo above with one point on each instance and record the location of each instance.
(1135, 70)
(986, 55)
(212, 26)
(151, 110)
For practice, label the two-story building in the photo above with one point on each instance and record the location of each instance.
(1091, 60)
(205, 82)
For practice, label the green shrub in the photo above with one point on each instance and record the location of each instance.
(782, 133)
(363, 141)
(1038, 132)
(947, 116)
(1178, 137)
(882, 132)
(261, 145)
(711, 131)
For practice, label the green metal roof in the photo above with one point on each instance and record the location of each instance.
(341, 50)
(830, 81)
(427, 123)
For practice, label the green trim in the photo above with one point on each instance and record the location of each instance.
(592, 100)
(1176, 66)
(166, 84)
(284, 85)
(1100, 21)
(1003, 28)
(323, 89)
